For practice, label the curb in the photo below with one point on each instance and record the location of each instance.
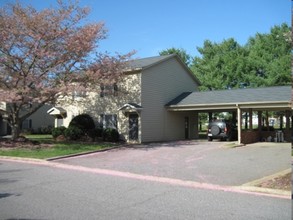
(265, 190)
(252, 186)
(259, 181)
(22, 159)
(57, 158)
(80, 154)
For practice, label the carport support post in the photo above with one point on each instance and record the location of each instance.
(267, 121)
(250, 120)
(210, 116)
(287, 113)
(239, 118)
(196, 126)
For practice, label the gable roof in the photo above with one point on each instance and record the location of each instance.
(145, 63)
(56, 111)
(131, 106)
(263, 97)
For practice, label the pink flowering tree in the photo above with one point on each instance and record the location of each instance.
(47, 54)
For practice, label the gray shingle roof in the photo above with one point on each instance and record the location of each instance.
(131, 106)
(147, 62)
(249, 95)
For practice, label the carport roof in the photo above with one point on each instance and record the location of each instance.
(257, 98)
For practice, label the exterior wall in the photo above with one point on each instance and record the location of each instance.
(175, 125)
(160, 84)
(128, 92)
(3, 127)
(248, 137)
(40, 119)
(152, 89)
(3, 124)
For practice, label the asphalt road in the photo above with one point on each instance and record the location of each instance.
(33, 190)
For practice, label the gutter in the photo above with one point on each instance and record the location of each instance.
(260, 105)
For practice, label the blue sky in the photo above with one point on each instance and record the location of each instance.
(149, 26)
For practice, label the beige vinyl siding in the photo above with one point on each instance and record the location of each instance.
(160, 84)
(175, 124)
(128, 92)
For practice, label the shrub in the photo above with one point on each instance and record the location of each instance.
(73, 133)
(110, 134)
(58, 131)
(44, 130)
(83, 122)
(98, 132)
(27, 131)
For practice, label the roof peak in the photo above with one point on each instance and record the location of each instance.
(148, 61)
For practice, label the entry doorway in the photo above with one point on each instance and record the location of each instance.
(133, 127)
(186, 127)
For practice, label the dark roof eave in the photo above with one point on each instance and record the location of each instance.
(285, 105)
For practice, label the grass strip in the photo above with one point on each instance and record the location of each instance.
(48, 148)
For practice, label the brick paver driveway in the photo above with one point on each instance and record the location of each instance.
(207, 162)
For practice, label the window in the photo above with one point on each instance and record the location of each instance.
(76, 95)
(107, 90)
(108, 121)
(27, 124)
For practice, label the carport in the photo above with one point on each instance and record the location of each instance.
(237, 101)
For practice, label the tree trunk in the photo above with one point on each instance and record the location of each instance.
(15, 123)
(15, 131)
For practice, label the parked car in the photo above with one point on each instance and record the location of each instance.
(222, 129)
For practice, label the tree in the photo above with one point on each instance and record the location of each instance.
(269, 57)
(221, 65)
(263, 61)
(48, 54)
(186, 58)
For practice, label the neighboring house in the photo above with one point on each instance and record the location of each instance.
(36, 122)
(135, 106)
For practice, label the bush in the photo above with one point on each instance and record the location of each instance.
(98, 132)
(73, 133)
(58, 131)
(27, 131)
(83, 122)
(44, 130)
(110, 134)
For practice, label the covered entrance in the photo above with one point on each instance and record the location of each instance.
(238, 101)
(132, 112)
(59, 114)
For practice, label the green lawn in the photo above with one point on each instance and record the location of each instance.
(53, 149)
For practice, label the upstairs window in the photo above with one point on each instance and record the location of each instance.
(108, 90)
(76, 95)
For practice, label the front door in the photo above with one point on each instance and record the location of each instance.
(186, 126)
(133, 127)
